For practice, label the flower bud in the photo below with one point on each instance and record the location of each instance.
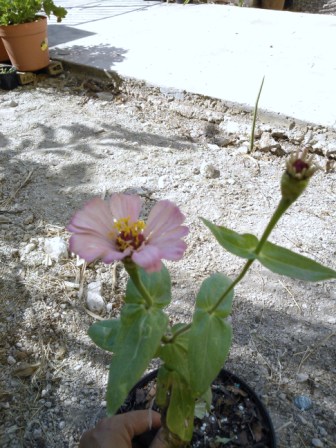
(299, 169)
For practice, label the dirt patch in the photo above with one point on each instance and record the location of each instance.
(66, 140)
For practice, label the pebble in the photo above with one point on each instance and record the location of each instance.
(303, 403)
(94, 299)
(56, 248)
(61, 425)
(12, 103)
(209, 171)
(29, 248)
(106, 96)
(11, 360)
(317, 443)
(29, 219)
(301, 377)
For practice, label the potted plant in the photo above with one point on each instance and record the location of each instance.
(8, 77)
(192, 354)
(23, 30)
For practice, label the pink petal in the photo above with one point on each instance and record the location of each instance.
(148, 257)
(95, 216)
(164, 217)
(170, 249)
(125, 205)
(91, 247)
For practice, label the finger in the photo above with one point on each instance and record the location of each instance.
(158, 442)
(138, 422)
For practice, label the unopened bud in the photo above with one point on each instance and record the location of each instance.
(299, 169)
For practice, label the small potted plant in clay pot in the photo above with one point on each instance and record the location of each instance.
(23, 30)
(190, 382)
(8, 77)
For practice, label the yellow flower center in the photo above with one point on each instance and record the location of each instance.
(128, 234)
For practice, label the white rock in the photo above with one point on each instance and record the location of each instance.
(209, 171)
(94, 300)
(56, 248)
(301, 377)
(11, 360)
(29, 248)
(317, 443)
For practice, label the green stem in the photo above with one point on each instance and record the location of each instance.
(133, 272)
(280, 210)
(255, 118)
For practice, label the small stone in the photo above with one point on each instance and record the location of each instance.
(29, 219)
(322, 431)
(317, 443)
(61, 425)
(56, 248)
(209, 171)
(291, 125)
(29, 248)
(302, 420)
(109, 307)
(12, 103)
(11, 360)
(37, 433)
(301, 377)
(94, 300)
(106, 96)
(303, 403)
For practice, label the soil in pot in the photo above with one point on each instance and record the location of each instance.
(237, 419)
(8, 77)
(27, 44)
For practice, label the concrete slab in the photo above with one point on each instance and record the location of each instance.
(214, 50)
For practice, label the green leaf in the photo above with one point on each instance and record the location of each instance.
(157, 284)
(203, 404)
(163, 384)
(285, 262)
(174, 354)
(210, 292)
(242, 245)
(104, 333)
(209, 344)
(138, 340)
(181, 410)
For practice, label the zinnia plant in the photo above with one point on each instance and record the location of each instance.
(193, 353)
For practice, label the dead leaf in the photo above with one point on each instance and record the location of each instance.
(25, 370)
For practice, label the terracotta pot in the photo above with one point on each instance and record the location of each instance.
(273, 4)
(3, 53)
(27, 44)
(231, 395)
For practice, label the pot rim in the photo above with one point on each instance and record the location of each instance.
(223, 374)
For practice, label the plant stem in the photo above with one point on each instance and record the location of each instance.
(255, 118)
(133, 272)
(280, 210)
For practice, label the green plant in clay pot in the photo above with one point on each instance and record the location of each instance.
(23, 30)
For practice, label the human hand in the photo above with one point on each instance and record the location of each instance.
(119, 430)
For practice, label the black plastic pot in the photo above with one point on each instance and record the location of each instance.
(226, 383)
(8, 77)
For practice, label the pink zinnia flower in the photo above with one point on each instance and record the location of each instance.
(111, 230)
